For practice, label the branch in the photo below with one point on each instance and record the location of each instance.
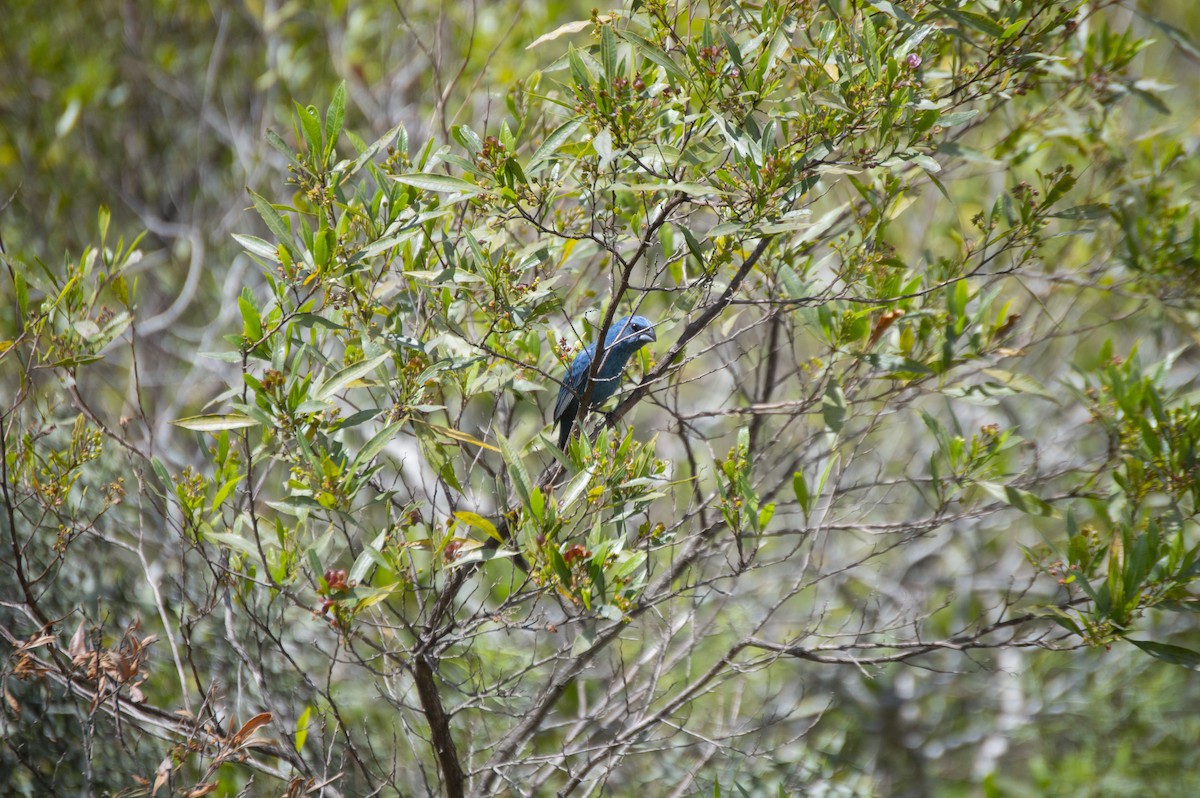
(439, 726)
(691, 331)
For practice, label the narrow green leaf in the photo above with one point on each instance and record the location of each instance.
(516, 470)
(608, 51)
(1022, 500)
(957, 117)
(1176, 655)
(800, 488)
(375, 148)
(302, 727)
(252, 327)
(561, 135)
(334, 117)
(439, 183)
(765, 515)
(575, 488)
(366, 558)
(467, 138)
(975, 20)
(348, 375)
(22, 293)
(691, 189)
(310, 125)
(386, 243)
(1081, 212)
(374, 446)
(833, 408)
(282, 147)
(579, 70)
(258, 247)
(656, 54)
(274, 221)
(216, 422)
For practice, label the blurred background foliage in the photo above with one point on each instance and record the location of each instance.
(159, 111)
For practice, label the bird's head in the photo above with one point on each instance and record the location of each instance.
(630, 332)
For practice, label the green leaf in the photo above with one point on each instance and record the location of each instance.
(561, 135)
(765, 515)
(376, 147)
(975, 20)
(310, 124)
(1022, 500)
(235, 542)
(516, 471)
(1182, 40)
(1191, 605)
(282, 147)
(1020, 383)
(348, 375)
(274, 222)
(608, 51)
(302, 727)
(575, 488)
(1080, 212)
(251, 321)
(22, 293)
(258, 247)
(467, 138)
(387, 242)
(894, 364)
(369, 555)
(374, 446)
(656, 54)
(160, 470)
(216, 423)
(334, 117)
(691, 189)
(833, 407)
(957, 117)
(1176, 655)
(579, 70)
(439, 183)
(800, 488)
(459, 435)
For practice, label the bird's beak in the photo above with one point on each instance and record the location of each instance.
(648, 335)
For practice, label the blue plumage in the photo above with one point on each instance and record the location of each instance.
(626, 336)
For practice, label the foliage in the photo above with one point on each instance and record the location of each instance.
(920, 397)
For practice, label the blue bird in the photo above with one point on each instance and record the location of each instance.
(626, 336)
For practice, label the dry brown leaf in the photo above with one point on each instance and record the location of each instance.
(161, 775)
(35, 642)
(243, 734)
(203, 789)
(260, 742)
(882, 324)
(78, 645)
(570, 27)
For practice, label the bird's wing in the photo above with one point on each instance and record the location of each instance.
(573, 382)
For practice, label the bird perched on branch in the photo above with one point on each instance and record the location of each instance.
(626, 336)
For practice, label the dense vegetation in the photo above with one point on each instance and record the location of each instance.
(902, 501)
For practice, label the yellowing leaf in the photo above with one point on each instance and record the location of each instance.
(479, 522)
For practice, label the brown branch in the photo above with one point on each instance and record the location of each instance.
(439, 725)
